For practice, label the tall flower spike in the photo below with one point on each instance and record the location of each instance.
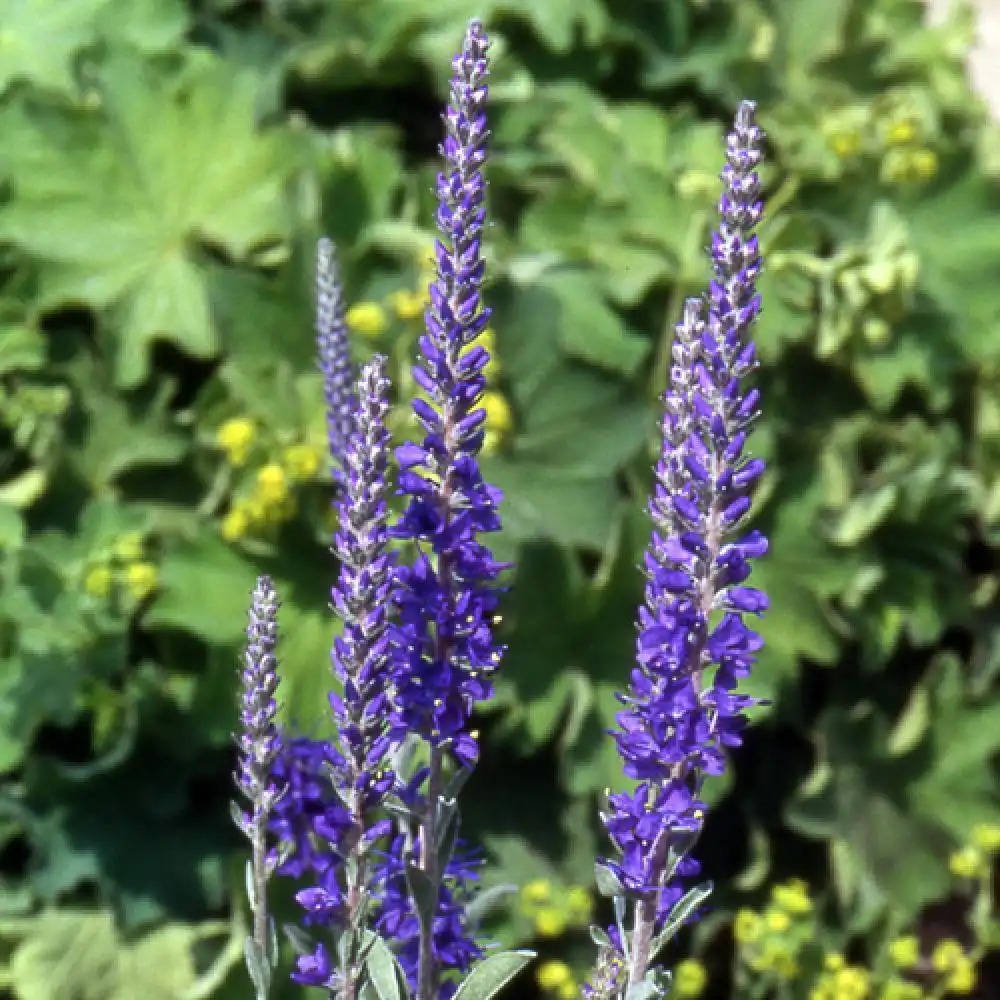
(258, 747)
(447, 597)
(693, 646)
(334, 347)
(360, 660)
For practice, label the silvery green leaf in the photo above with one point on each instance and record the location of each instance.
(656, 986)
(487, 901)
(492, 974)
(384, 971)
(272, 940)
(680, 914)
(457, 782)
(251, 888)
(607, 881)
(298, 939)
(239, 818)
(422, 892)
(599, 936)
(257, 966)
(619, 905)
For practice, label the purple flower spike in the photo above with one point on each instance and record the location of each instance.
(693, 646)
(446, 600)
(258, 748)
(334, 353)
(360, 658)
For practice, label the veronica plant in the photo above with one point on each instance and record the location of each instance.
(447, 595)
(258, 748)
(693, 648)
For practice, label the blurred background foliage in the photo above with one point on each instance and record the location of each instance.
(166, 167)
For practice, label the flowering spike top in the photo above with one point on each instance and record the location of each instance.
(446, 599)
(361, 598)
(334, 350)
(693, 646)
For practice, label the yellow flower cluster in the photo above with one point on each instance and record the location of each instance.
(690, 979)
(973, 860)
(123, 566)
(236, 437)
(956, 968)
(771, 942)
(555, 976)
(554, 909)
(271, 499)
(840, 981)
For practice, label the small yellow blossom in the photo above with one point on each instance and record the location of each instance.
(845, 144)
(852, 983)
(128, 548)
(235, 524)
(901, 989)
(367, 318)
(408, 305)
(272, 484)
(986, 836)
(901, 132)
(747, 926)
(499, 417)
(967, 862)
(550, 922)
(904, 952)
(553, 974)
(777, 921)
(235, 437)
(569, 991)
(962, 980)
(833, 961)
(536, 892)
(97, 581)
(947, 955)
(579, 904)
(141, 579)
(690, 978)
(301, 461)
(792, 897)
(488, 340)
(924, 163)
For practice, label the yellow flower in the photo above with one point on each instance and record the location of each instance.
(408, 305)
(963, 979)
(901, 132)
(301, 461)
(97, 581)
(904, 952)
(569, 991)
(499, 417)
(488, 340)
(986, 836)
(747, 926)
(947, 955)
(852, 983)
(833, 961)
(845, 144)
(235, 437)
(235, 524)
(792, 897)
(536, 892)
(272, 484)
(367, 318)
(550, 922)
(579, 904)
(924, 163)
(901, 989)
(690, 978)
(553, 974)
(777, 921)
(967, 862)
(141, 579)
(128, 548)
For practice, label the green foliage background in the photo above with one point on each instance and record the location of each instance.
(165, 169)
